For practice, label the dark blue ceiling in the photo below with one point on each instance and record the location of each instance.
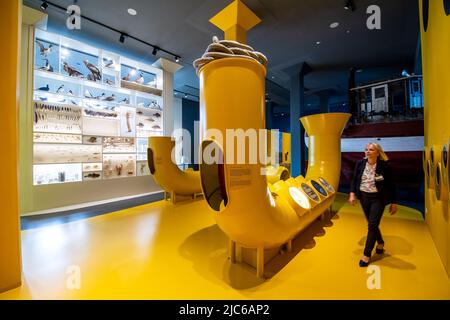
(288, 35)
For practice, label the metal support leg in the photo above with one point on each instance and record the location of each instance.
(238, 253)
(289, 246)
(260, 262)
(232, 251)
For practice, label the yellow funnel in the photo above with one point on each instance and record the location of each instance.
(166, 172)
(324, 145)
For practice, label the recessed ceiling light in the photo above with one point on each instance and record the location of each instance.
(359, 70)
(273, 77)
(347, 32)
(132, 11)
(334, 25)
(318, 42)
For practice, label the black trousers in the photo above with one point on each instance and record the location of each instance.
(373, 208)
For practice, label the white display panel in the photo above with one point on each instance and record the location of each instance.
(66, 153)
(119, 145)
(119, 165)
(56, 173)
(41, 137)
(86, 121)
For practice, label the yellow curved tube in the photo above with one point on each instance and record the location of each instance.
(324, 145)
(250, 213)
(166, 173)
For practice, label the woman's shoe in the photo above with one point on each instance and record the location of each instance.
(363, 263)
(380, 250)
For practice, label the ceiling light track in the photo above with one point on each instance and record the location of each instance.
(122, 35)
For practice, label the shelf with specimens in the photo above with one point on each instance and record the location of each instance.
(93, 112)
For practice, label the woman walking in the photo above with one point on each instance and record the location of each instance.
(373, 185)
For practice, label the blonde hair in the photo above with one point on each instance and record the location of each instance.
(381, 154)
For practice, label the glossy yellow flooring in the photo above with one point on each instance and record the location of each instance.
(161, 251)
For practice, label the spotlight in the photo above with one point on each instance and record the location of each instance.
(177, 59)
(44, 5)
(122, 38)
(185, 96)
(155, 51)
(349, 5)
(405, 73)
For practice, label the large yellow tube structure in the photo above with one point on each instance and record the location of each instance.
(258, 217)
(10, 260)
(166, 172)
(251, 215)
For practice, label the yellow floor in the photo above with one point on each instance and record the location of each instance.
(161, 251)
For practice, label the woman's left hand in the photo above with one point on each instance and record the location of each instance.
(393, 209)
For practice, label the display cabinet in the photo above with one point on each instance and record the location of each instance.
(93, 112)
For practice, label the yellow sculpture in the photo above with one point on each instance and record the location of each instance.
(166, 172)
(258, 217)
(435, 45)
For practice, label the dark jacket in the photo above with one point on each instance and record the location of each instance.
(385, 186)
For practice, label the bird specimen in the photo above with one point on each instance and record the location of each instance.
(60, 89)
(109, 63)
(46, 88)
(140, 79)
(47, 67)
(97, 75)
(71, 71)
(128, 76)
(110, 82)
(43, 50)
(110, 98)
(88, 94)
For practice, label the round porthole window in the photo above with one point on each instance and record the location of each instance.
(425, 7)
(437, 180)
(445, 156)
(447, 7)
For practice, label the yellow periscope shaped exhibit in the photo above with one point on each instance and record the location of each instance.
(278, 172)
(167, 174)
(248, 209)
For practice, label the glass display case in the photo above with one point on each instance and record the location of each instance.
(93, 112)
